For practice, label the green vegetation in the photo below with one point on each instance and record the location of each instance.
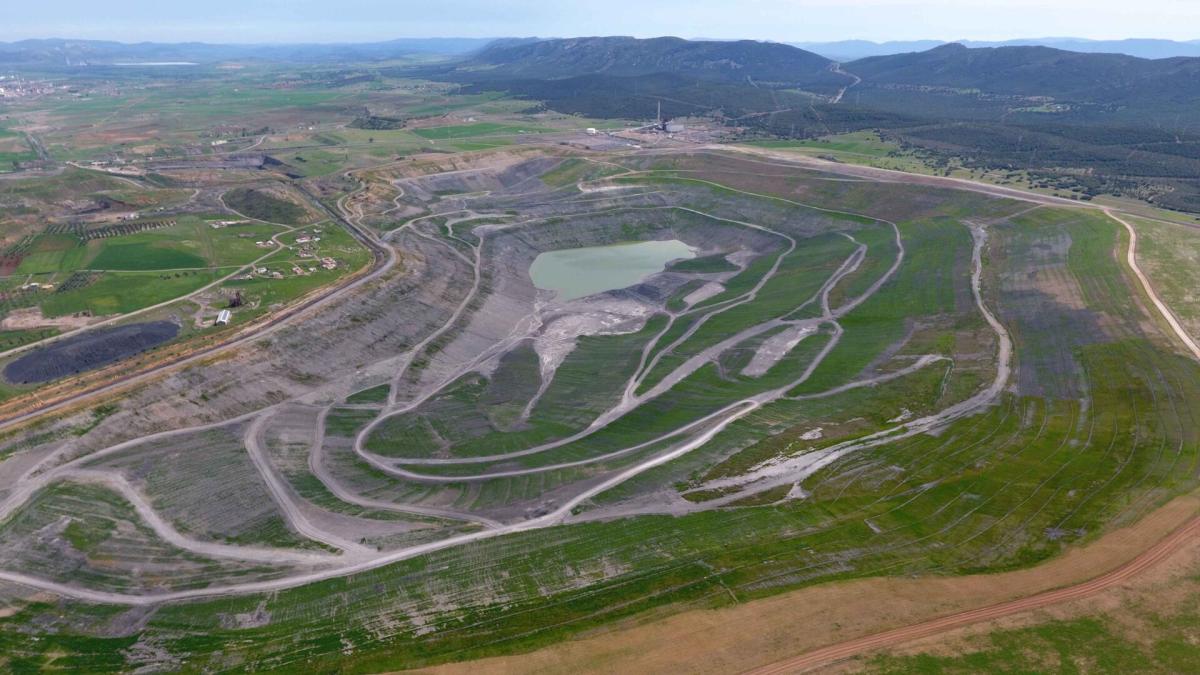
(123, 292)
(463, 414)
(53, 253)
(11, 339)
(1061, 645)
(142, 256)
(378, 123)
(477, 129)
(377, 394)
(14, 149)
(120, 274)
(708, 264)
(800, 275)
(265, 206)
(1169, 253)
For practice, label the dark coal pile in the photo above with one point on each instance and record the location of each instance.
(87, 351)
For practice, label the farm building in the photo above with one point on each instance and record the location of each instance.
(224, 317)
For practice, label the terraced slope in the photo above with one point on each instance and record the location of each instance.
(853, 378)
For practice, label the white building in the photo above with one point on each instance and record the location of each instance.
(224, 317)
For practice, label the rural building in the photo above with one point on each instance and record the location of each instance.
(224, 317)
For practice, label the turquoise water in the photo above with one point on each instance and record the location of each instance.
(576, 272)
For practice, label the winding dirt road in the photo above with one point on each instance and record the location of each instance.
(360, 560)
(1167, 314)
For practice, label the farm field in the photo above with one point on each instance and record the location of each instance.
(474, 130)
(121, 273)
(14, 149)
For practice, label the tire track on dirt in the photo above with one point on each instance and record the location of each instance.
(838, 652)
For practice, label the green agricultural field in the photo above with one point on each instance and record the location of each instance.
(452, 103)
(54, 253)
(124, 292)
(13, 149)
(143, 256)
(477, 129)
(121, 274)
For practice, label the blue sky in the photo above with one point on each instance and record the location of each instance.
(781, 20)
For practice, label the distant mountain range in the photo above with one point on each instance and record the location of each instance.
(673, 66)
(1091, 118)
(57, 52)
(850, 50)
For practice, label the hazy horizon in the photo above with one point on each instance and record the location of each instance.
(279, 21)
(582, 35)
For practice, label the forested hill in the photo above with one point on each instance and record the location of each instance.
(744, 60)
(1110, 123)
(1036, 71)
(1147, 48)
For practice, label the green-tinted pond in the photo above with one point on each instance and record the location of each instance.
(576, 272)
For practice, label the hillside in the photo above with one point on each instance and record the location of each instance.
(1114, 123)
(629, 77)
(743, 60)
(850, 50)
(1031, 71)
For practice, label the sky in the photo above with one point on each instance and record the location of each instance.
(240, 21)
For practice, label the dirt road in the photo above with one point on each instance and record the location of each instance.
(1167, 314)
(385, 258)
(827, 655)
(837, 68)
